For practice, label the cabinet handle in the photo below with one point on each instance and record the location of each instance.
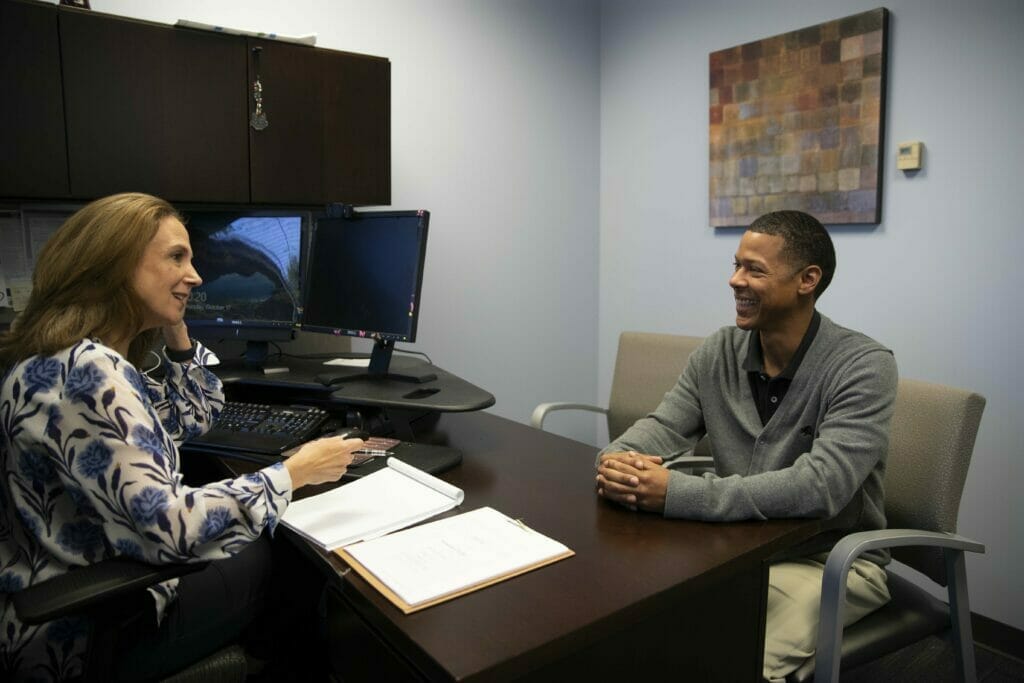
(258, 120)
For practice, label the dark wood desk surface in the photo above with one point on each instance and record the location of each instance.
(643, 596)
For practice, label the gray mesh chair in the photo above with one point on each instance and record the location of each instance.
(931, 442)
(646, 367)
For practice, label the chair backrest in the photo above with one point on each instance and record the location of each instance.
(930, 446)
(646, 367)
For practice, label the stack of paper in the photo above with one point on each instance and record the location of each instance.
(427, 564)
(434, 562)
(391, 498)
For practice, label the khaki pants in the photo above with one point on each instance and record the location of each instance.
(794, 594)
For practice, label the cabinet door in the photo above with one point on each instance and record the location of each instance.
(154, 109)
(288, 153)
(328, 134)
(357, 128)
(33, 156)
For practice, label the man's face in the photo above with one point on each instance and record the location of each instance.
(765, 284)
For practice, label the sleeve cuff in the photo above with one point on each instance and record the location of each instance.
(181, 356)
(685, 496)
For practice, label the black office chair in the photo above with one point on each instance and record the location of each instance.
(931, 442)
(112, 595)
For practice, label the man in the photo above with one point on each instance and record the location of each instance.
(797, 412)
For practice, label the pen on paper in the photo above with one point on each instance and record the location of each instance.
(519, 523)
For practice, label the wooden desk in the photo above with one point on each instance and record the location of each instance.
(644, 598)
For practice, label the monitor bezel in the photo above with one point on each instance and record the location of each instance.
(374, 335)
(254, 330)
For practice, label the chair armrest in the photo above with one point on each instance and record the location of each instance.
(84, 588)
(541, 411)
(833, 583)
(856, 544)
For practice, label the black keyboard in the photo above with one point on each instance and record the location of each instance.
(260, 428)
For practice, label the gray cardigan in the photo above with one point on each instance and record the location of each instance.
(827, 441)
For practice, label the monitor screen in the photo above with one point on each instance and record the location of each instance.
(250, 263)
(365, 274)
(364, 277)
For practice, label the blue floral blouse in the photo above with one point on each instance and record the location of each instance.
(90, 470)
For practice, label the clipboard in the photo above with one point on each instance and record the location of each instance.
(383, 562)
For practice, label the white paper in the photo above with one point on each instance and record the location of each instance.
(374, 505)
(19, 291)
(452, 554)
(39, 227)
(349, 362)
(22, 236)
(13, 254)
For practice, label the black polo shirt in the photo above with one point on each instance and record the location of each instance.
(769, 391)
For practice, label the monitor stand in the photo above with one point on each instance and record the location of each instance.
(254, 359)
(380, 363)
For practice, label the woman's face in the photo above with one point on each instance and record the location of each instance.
(165, 277)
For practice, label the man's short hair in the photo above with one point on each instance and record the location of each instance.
(806, 242)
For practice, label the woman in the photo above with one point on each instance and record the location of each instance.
(89, 456)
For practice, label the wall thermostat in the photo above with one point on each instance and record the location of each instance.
(908, 156)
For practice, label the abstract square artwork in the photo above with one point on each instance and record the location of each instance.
(796, 122)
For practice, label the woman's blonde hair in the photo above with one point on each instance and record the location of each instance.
(82, 284)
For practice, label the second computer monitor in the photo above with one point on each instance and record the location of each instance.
(364, 277)
(250, 262)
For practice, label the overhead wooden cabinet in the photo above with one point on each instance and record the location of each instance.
(328, 134)
(287, 155)
(166, 110)
(154, 109)
(357, 127)
(33, 156)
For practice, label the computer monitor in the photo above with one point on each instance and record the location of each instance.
(251, 265)
(363, 279)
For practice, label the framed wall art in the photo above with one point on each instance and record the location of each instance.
(796, 122)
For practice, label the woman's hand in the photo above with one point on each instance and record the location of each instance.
(321, 461)
(176, 337)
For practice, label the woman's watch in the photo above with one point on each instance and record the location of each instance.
(181, 356)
